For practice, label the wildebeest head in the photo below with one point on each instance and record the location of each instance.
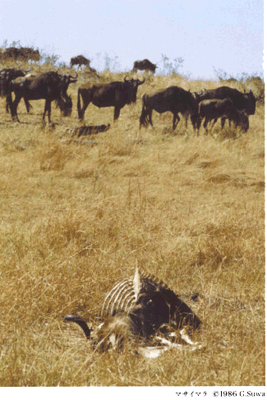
(250, 102)
(132, 86)
(64, 102)
(243, 120)
(65, 105)
(65, 80)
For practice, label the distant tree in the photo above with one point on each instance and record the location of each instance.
(171, 67)
(48, 58)
(4, 44)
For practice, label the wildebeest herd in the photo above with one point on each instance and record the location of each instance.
(21, 54)
(208, 105)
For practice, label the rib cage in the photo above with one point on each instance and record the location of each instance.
(126, 294)
(120, 298)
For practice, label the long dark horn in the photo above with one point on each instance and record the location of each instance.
(26, 72)
(80, 322)
(126, 80)
(73, 76)
(141, 82)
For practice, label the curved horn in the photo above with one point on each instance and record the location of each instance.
(80, 322)
(26, 72)
(126, 80)
(73, 76)
(141, 82)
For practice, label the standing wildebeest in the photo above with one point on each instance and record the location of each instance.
(79, 60)
(138, 309)
(242, 101)
(114, 94)
(173, 99)
(6, 76)
(49, 86)
(213, 109)
(144, 65)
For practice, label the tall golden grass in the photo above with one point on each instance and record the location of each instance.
(77, 217)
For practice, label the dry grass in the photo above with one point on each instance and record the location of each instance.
(75, 218)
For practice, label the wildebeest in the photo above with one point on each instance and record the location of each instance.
(173, 99)
(114, 94)
(49, 86)
(79, 60)
(6, 76)
(22, 54)
(213, 109)
(144, 65)
(139, 309)
(242, 101)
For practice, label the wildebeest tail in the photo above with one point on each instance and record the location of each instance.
(144, 113)
(199, 110)
(80, 114)
(9, 98)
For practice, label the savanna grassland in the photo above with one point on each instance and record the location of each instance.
(77, 216)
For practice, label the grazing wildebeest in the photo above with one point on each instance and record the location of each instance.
(79, 60)
(49, 86)
(6, 76)
(213, 109)
(114, 94)
(138, 309)
(173, 99)
(144, 65)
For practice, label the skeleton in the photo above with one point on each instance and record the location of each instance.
(145, 311)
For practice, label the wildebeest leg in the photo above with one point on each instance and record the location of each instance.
(48, 110)
(116, 113)
(86, 99)
(175, 117)
(223, 119)
(206, 123)
(27, 105)
(14, 106)
(150, 118)
(145, 117)
(196, 122)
